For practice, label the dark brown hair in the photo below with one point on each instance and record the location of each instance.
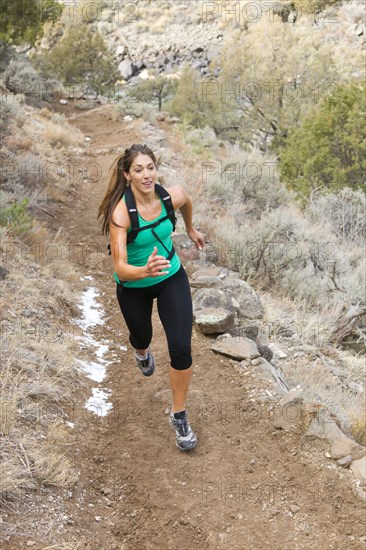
(118, 183)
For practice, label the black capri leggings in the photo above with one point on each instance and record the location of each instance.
(174, 303)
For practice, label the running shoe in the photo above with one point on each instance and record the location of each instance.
(185, 437)
(146, 366)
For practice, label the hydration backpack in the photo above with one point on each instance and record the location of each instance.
(134, 218)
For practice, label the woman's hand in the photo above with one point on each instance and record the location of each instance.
(197, 238)
(155, 265)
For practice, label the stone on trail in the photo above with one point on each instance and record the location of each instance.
(247, 300)
(323, 430)
(345, 446)
(205, 281)
(345, 461)
(358, 468)
(289, 412)
(214, 320)
(237, 348)
(212, 297)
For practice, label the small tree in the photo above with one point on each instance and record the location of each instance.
(329, 149)
(82, 57)
(156, 89)
(22, 20)
(194, 101)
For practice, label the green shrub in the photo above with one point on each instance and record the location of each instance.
(15, 217)
(328, 150)
(82, 56)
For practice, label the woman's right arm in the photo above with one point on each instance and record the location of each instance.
(118, 242)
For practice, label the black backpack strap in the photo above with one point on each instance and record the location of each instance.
(132, 211)
(134, 218)
(166, 198)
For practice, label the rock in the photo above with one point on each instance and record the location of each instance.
(194, 265)
(121, 50)
(358, 468)
(294, 508)
(345, 446)
(250, 331)
(3, 273)
(269, 372)
(277, 351)
(265, 352)
(249, 305)
(238, 348)
(213, 271)
(205, 282)
(288, 414)
(212, 297)
(126, 69)
(214, 320)
(322, 430)
(345, 461)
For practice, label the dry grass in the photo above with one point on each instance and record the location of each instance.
(38, 372)
(22, 143)
(58, 136)
(358, 428)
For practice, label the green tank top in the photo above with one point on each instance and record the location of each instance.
(140, 249)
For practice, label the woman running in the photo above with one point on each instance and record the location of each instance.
(138, 215)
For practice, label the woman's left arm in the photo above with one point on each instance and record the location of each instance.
(183, 203)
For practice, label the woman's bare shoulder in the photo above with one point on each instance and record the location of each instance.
(178, 195)
(120, 214)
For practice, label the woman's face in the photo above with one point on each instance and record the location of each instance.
(142, 173)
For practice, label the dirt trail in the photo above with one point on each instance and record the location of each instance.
(246, 486)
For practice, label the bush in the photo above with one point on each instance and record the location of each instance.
(191, 102)
(344, 211)
(22, 20)
(6, 111)
(82, 57)
(328, 151)
(16, 218)
(21, 78)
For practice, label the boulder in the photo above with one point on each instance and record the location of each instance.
(265, 352)
(205, 281)
(345, 461)
(214, 320)
(237, 348)
(345, 446)
(248, 303)
(322, 431)
(358, 468)
(212, 297)
(270, 373)
(126, 69)
(289, 412)
(249, 331)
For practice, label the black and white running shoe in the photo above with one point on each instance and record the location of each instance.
(146, 366)
(185, 437)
